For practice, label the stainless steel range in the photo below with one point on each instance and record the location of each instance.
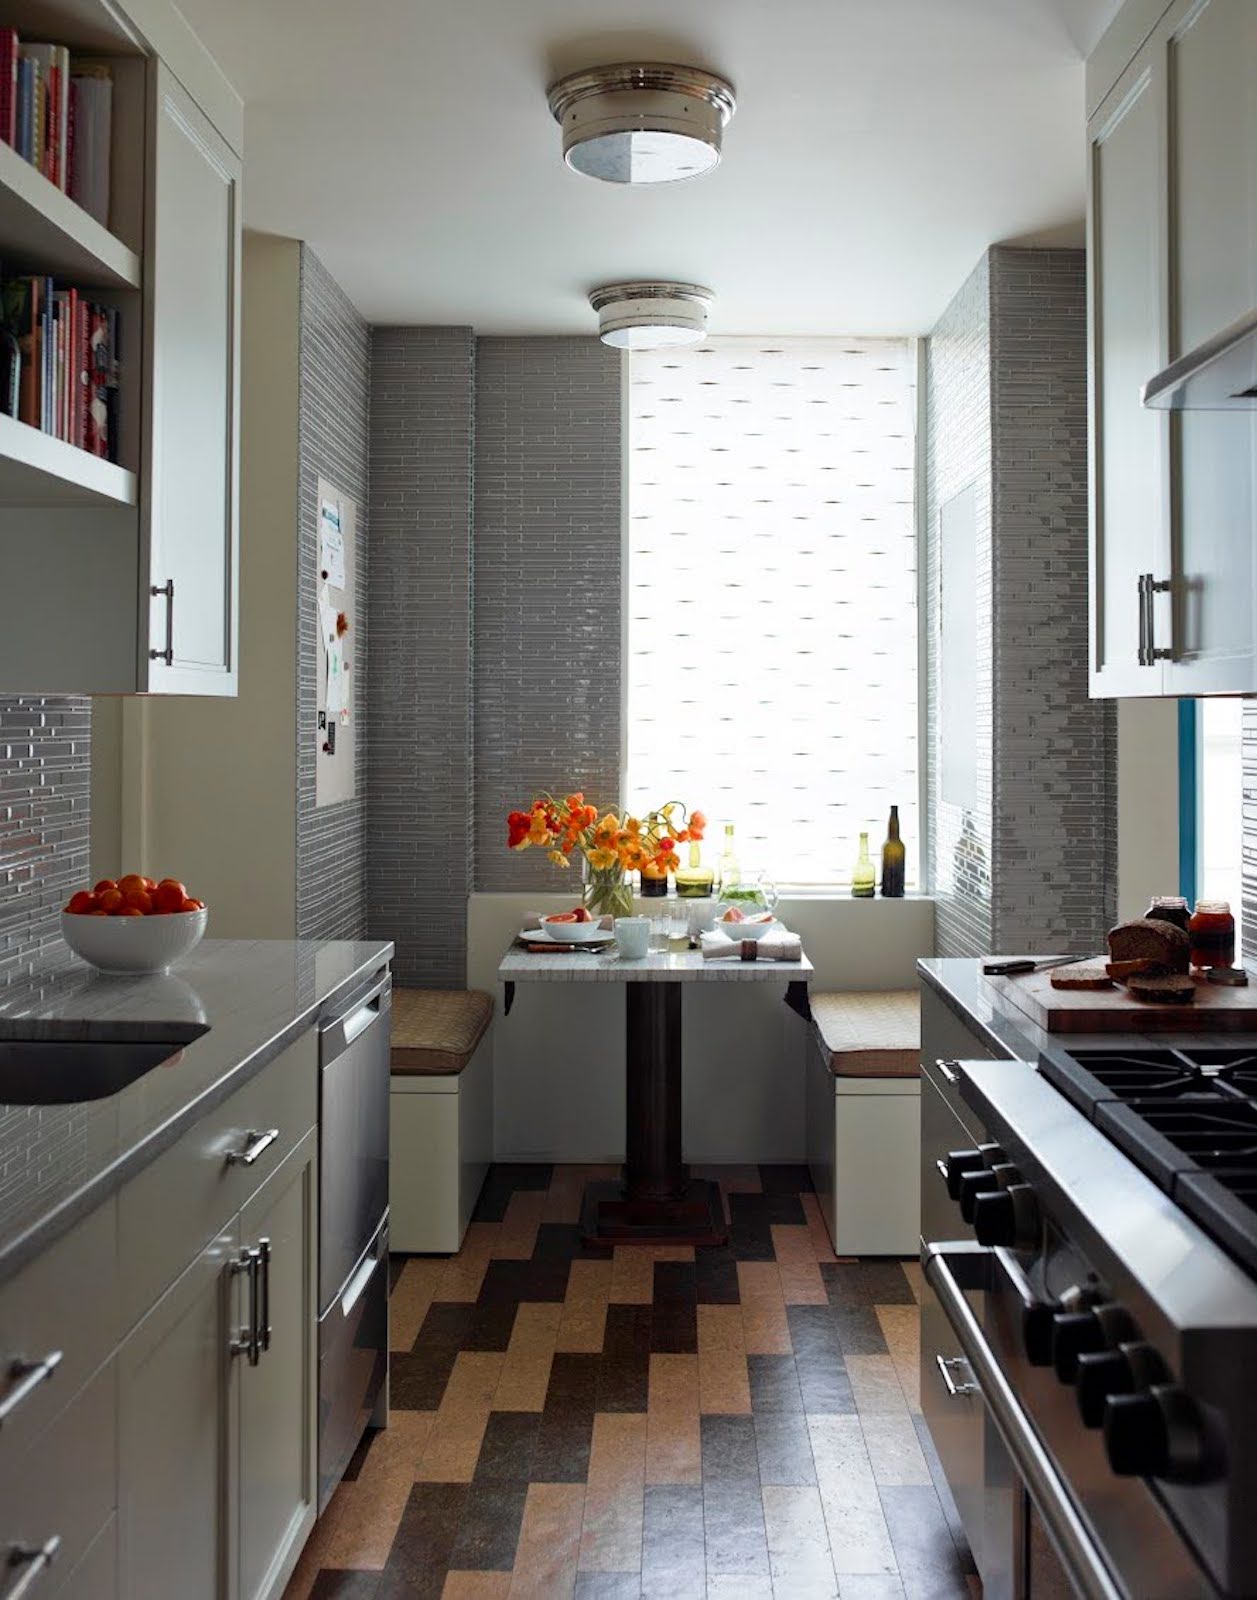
(1100, 1293)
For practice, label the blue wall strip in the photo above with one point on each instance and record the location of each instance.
(1188, 800)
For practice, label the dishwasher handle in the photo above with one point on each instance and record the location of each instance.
(338, 1033)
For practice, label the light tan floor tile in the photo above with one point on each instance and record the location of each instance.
(723, 1384)
(859, 1540)
(584, 1318)
(894, 1451)
(611, 1532)
(549, 1542)
(476, 1586)
(801, 1281)
(413, 1293)
(458, 1426)
(822, 1245)
(673, 1433)
(875, 1384)
(633, 1270)
(916, 1279)
(517, 1232)
(764, 1325)
(375, 1500)
(526, 1368)
(464, 1273)
(901, 1328)
(798, 1544)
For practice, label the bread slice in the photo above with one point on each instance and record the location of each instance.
(1081, 975)
(1121, 970)
(1166, 989)
(1149, 939)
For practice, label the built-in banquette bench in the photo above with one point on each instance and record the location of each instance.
(863, 1119)
(440, 1115)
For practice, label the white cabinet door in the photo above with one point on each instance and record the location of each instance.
(1127, 309)
(277, 1463)
(176, 1386)
(1210, 53)
(189, 532)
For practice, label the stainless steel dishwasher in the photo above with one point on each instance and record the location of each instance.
(353, 1226)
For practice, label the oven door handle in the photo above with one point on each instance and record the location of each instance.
(949, 1270)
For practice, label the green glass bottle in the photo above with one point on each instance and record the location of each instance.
(728, 873)
(863, 877)
(894, 860)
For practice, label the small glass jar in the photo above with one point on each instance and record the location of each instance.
(1212, 933)
(1170, 908)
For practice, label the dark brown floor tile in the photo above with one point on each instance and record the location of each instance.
(489, 1531)
(345, 1585)
(950, 1513)
(733, 1529)
(929, 1565)
(729, 1453)
(417, 1378)
(501, 1182)
(561, 1452)
(420, 1557)
(491, 1326)
(607, 1586)
(506, 1451)
(866, 1283)
(507, 1283)
(624, 1372)
(674, 1564)
(784, 1449)
(818, 1360)
(774, 1384)
(859, 1331)
(785, 1178)
(562, 1241)
(674, 1317)
(716, 1277)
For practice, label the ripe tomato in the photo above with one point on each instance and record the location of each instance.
(98, 913)
(104, 885)
(133, 883)
(128, 911)
(169, 896)
(82, 903)
(191, 905)
(150, 884)
(140, 899)
(111, 901)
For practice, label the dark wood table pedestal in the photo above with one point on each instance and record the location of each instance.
(657, 1202)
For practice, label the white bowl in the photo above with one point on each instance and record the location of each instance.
(574, 932)
(747, 930)
(134, 944)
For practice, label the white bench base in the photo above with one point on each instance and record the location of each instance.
(864, 1151)
(440, 1147)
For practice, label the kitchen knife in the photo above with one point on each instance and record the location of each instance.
(1006, 966)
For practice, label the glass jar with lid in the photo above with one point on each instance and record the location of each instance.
(1212, 933)
(1169, 908)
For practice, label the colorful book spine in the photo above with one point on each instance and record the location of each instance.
(8, 85)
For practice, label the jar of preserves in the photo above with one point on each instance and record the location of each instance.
(1212, 933)
(1170, 908)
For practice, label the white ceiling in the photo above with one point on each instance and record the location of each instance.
(878, 147)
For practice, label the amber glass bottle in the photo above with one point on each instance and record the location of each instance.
(894, 860)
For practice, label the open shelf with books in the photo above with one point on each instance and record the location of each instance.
(42, 228)
(37, 469)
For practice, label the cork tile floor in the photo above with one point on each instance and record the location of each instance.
(740, 1424)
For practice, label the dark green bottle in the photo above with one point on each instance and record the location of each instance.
(894, 860)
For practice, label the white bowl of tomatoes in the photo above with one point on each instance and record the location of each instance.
(133, 924)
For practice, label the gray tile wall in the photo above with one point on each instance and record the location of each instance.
(1035, 866)
(546, 587)
(335, 395)
(45, 783)
(419, 696)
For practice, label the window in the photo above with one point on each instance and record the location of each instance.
(772, 594)
(1219, 822)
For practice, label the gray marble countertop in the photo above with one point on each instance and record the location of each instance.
(253, 996)
(687, 966)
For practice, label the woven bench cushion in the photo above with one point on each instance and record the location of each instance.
(870, 1035)
(436, 1031)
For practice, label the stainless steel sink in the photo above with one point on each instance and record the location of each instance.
(58, 1072)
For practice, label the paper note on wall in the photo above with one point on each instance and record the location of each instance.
(337, 699)
(331, 544)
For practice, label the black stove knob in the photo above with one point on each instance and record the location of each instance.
(972, 1184)
(1008, 1217)
(957, 1163)
(1101, 1373)
(1074, 1332)
(1036, 1331)
(1157, 1433)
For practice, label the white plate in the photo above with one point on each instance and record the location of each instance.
(542, 936)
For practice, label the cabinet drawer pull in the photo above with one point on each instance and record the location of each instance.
(248, 1342)
(255, 1144)
(965, 1386)
(941, 1165)
(947, 1071)
(168, 589)
(1149, 588)
(26, 1377)
(264, 1317)
(31, 1559)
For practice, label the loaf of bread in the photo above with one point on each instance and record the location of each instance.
(1166, 989)
(1150, 939)
(1081, 975)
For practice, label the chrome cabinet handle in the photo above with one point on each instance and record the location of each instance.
(255, 1144)
(947, 1071)
(168, 589)
(966, 1385)
(264, 1321)
(248, 1342)
(941, 1165)
(31, 1559)
(1143, 581)
(1149, 587)
(26, 1377)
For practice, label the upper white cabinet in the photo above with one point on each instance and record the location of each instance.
(1172, 231)
(128, 570)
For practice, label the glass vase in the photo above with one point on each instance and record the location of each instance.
(607, 893)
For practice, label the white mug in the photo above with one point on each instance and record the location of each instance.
(632, 936)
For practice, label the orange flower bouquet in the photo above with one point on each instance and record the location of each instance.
(610, 846)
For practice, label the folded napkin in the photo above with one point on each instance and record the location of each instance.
(782, 945)
(532, 923)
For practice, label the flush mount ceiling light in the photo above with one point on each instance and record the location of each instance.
(647, 315)
(642, 122)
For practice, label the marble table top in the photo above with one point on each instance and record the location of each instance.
(688, 966)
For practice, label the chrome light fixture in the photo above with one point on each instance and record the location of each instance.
(642, 122)
(648, 315)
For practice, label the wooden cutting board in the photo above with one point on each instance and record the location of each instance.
(1215, 1009)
